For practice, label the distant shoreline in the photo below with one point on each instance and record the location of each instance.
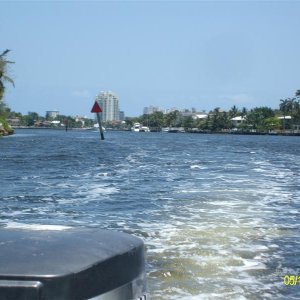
(187, 131)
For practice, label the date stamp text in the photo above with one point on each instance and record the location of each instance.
(291, 280)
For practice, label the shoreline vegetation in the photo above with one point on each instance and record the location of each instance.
(5, 128)
(175, 130)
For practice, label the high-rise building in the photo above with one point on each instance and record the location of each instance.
(122, 116)
(151, 109)
(109, 104)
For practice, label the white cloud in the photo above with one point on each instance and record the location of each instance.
(81, 94)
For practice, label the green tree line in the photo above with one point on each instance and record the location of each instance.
(34, 119)
(259, 119)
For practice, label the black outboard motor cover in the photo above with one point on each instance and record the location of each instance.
(70, 264)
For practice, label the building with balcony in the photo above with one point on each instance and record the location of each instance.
(109, 104)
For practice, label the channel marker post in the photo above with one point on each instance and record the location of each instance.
(97, 109)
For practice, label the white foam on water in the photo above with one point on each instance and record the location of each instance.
(16, 225)
(198, 167)
(102, 174)
(11, 213)
(95, 190)
(29, 177)
(191, 191)
(248, 265)
(212, 296)
(253, 248)
(66, 201)
(213, 240)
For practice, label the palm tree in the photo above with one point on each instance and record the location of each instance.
(244, 111)
(234, 111)
(296, 112)
(286, 106)
(3, 72)
(216, 119)
(297, 94)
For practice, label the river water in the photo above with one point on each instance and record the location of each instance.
(219, 214)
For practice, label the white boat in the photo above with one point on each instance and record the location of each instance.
(144, 129)
(172, 129)
(137, 127)
(96, 126)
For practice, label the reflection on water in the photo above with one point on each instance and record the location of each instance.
(219, 214)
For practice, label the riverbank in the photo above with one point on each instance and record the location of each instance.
(176, 130)
(5, 128)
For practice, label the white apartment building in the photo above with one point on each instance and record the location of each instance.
(109, 104)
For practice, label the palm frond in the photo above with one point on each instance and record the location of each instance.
(4, 53)
(6, 78)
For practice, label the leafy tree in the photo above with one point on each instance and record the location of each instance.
(4, 110)
(131, 121)
(156, 119)
(188, 122)
(218, 120)
(214, 125)
(207, 124)
(3, 72)
(30, 119)
(172, 118)
(70, 121)
(257, 116)
(271, 123)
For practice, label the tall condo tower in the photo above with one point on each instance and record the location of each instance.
(109, 104)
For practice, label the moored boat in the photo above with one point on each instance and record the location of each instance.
(137, 127)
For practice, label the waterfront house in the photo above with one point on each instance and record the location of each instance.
(237, 121)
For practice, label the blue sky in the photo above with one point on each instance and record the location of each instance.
(201, 54)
